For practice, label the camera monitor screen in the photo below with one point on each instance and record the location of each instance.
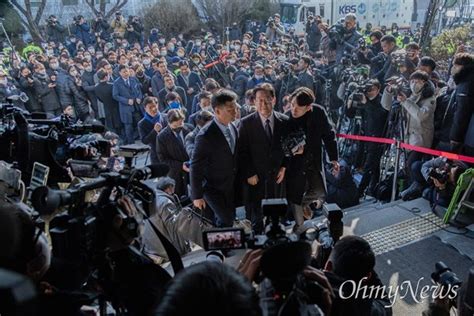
(224, 239)
(39, 175)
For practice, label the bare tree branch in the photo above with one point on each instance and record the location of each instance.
(91, 5)
(40, 11)
(119, 4)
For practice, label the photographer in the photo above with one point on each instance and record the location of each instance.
(304, 172)
(313, 33)
(419, 108)
(305, 78)
(27, 85)
(350, 37)
(54, 30)
(166, 207)
(435, 180)
(45, 92)
(374, 118)
(275, 29)
(101, 28)
(81, 30)
(351, 263)
(134, 32)
(383, 60)
(119, 25)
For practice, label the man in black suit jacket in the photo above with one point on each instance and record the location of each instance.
(103, 91)
(305, 180)
(213, 165)
(189, 81)
(171, 151)
(261, 157)
(170, 87)
(150, 125)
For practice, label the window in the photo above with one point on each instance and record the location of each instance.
(311, 10)
(288, 13)
(321, 10)
(35, 3)
(70, 2)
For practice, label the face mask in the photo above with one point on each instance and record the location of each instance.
(89, 68)
(180, 36)
(258, 77)
(99, 56)
(416, 87)
(87, 58)
(232, 47)
(181, 55)
(146, 62)
(175, 105)
(371, 98)
(237, 47)
(171, 48)
(50, 52)
(196, 61)
(92, 51)
(212, 42)
(198, 43)
(231, 61)
(246, 41)
(161, 41)
(163, 53)
(42, 72)
(54, 66)
(3, 81)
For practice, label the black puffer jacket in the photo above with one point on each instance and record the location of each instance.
(462, 130)
(45, 95)
(29, 89)
(79, 97)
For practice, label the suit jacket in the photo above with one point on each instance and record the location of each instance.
(162, 96)
(104, 92)
(194, 81)
(170, 150)
(122, 93)
(213, 166)
(258, 156)
(148, 135)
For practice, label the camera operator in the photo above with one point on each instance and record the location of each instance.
(435, 180)
(45, 91)
(27, 85)
(366, 53)
(101, 28)
(134, 32)
(350, 38)
(8, 89)
(313, 33)
(55, 31)
(350, 263)
(119, 25)
(165, 208)
(419, 108)
(81, 31)
(275, 29)
(383, 60)
(462, 132)
(374, 118)
(304, 172)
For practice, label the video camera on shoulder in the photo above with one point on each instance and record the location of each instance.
(292, 142)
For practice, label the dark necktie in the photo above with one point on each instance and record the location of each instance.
(268, 131)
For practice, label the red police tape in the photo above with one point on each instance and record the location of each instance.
(424, 150)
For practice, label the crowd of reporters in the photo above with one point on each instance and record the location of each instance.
(217, 111)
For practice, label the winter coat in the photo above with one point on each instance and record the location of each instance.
(419, 115)
(462, 130)
(46, 96)
(29, 89)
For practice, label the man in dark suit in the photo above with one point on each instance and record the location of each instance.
(213, 165)
(305, 181)
(171, 151)
(103, 91)
(150, 125)
(157, 81)
(204, 104)
(127, 91)
(189, 81)
(261, 157)
(171, 87)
